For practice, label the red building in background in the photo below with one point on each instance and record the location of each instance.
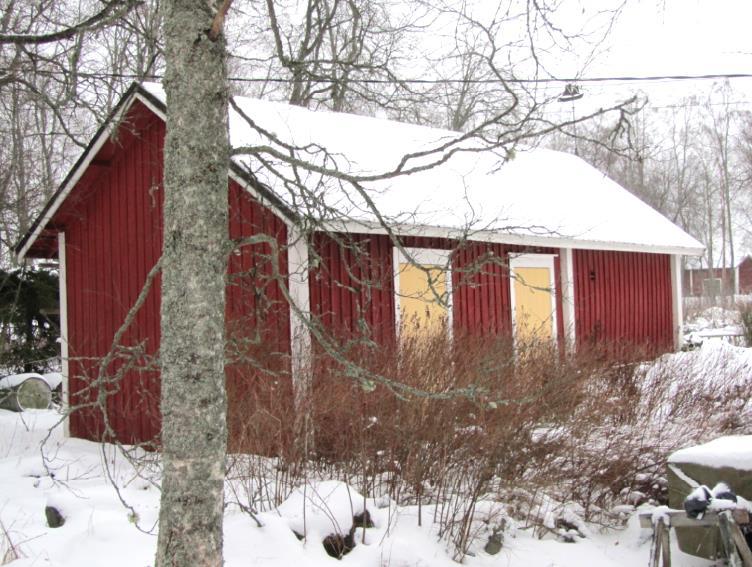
(710, 282)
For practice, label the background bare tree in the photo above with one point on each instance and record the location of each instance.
(690, 161)
(63, 66)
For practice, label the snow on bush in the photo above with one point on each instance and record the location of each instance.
(322, 508)
(619, 436)
(543, 447)
(560, 442)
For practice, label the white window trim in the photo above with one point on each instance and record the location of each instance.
(533, 261)
(422, 256)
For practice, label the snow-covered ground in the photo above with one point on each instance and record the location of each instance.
(111, 506)
(74, 476)
(714, 323)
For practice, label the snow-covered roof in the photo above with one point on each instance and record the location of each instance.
(539, 196)
(447, 188)
(734, 451)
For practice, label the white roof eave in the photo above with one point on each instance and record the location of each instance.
(547, 241)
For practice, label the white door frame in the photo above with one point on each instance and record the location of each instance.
(533, 261)
(422, 257)
(566, 270)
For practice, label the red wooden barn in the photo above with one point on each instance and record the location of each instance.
(397, 225)
(719, 281)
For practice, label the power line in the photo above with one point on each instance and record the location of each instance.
(435, 81)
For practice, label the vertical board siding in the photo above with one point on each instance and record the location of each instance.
(113, 228)
(112, 241)
(352, 286)
(623, 298)
(481, 298)
(259, 386)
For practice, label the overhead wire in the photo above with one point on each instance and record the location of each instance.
(618, 79)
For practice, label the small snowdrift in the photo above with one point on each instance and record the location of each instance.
(328, 512)
(713, 318)
(322, 508)
(715, 363)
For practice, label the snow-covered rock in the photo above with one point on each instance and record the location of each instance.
(322, 508)
(733, 451)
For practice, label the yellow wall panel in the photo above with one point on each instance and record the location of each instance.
(533, 303)
(421, 288)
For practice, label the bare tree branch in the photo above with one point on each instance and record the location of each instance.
(112, 11)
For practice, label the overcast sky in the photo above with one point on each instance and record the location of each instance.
(679, 37)
(660, 37)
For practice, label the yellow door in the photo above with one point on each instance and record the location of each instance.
(422, 299)
(533, 304)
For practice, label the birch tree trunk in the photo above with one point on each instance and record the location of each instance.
(194, 436)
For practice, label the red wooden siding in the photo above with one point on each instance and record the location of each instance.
(352, 285)
(745, 275)
(113, 226)
(113, 238)
(258, 324)
(623, 297)
(480, 284)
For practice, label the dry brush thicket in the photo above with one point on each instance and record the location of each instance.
(543, 433)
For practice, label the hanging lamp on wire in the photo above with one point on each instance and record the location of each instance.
(571, 92)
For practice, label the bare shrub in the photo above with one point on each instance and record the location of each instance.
(466, 431)
(615, 444)
(557, 439)
(9, 550)
(745, 318)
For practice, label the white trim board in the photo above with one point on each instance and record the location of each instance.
(533, 261)
(500, 237)
(422, 256)
(300, 312)
(677, 302)
(64, 351)
(566, 267)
